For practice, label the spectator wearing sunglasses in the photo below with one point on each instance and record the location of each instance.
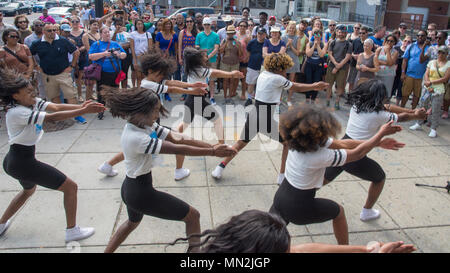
(330, 33)
(15, 55)
(387, 59)
(402, 28)
(21, 22)
(3, 26)
(398, 83)
(355, 35)
(413, 69)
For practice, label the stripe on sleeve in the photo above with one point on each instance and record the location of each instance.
(36, 118)
(149, 145)
(335, 157)
(31, 117)
(155, 145)
(286, 84)
(40, 104)
(340, 158)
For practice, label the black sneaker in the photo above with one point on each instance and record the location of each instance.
(248, 102)
(100, 116)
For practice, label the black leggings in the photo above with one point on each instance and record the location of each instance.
(365, 168)
(301, 207)
(108, 79)
(190, 111)
(260, 120)
(313, 73)
(141, 198)
(21, 164)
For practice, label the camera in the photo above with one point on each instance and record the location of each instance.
(112, 50)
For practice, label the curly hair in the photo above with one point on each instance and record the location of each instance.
(155, 61)
(11, 82)
(369, 96)
(306, 128)
(125, 104)
(7, 32)
(252, 231)
(278, 62)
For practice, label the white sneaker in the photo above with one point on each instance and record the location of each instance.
(4, 227)
(78, 233)
(217, 173)
(107, 169)
(277, 109)
(280, 178)
(181, 174)
(369, 214)
(416, 126)
(432, 133)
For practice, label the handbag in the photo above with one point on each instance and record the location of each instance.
(120, 75)
(15, 55)
(94, 70)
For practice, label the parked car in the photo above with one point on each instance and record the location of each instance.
(350, 25)
(38, 7)
(4, 3)
(60, 13)
(51, 4)
(194, 10)
(14, 9)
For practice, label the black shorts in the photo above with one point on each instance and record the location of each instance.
(141, 198)
(21, 164)
(301, 207)
(190, 110)
(365, 168)
(260, 120)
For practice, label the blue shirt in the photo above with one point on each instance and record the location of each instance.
(415, 69)
(208, 42)
(163, 43)
(92, 13)
(256, 59)
(377, 41)
(53, 58)
(99, 47)
(273, 49)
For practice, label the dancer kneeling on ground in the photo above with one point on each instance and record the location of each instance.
(156, 68)
(309, 131)
(370, 110)
(270, 85)
(197, 70)
(24, 121)
(142, 139)
(254, 231)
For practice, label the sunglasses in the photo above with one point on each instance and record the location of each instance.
(74, 22)
(189, 21)
(403, 27)
(250, 25)
(51, 30)
(421, 35)
(362, 33)
(332, 25)
(39, 25)
(21, 22)
(390, 41)
(407, 41)
(14, 37)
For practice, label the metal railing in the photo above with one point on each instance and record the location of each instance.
(363, 19)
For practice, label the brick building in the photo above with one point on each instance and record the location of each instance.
(417, 12)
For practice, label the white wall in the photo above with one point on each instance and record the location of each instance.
(363, 8)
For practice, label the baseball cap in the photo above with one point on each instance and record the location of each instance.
(261, 30)
(443, 48)
(207, 21)
(65, 27)
(275, 29)
(341, 27)
(272, 17)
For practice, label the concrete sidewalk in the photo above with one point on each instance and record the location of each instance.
(415, 215)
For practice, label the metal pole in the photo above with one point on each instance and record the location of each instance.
(98, 8)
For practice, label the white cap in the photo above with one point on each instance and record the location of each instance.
(207, 21)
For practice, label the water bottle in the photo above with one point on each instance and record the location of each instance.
(425, 95)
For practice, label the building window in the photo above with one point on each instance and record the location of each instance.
(262, 4)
